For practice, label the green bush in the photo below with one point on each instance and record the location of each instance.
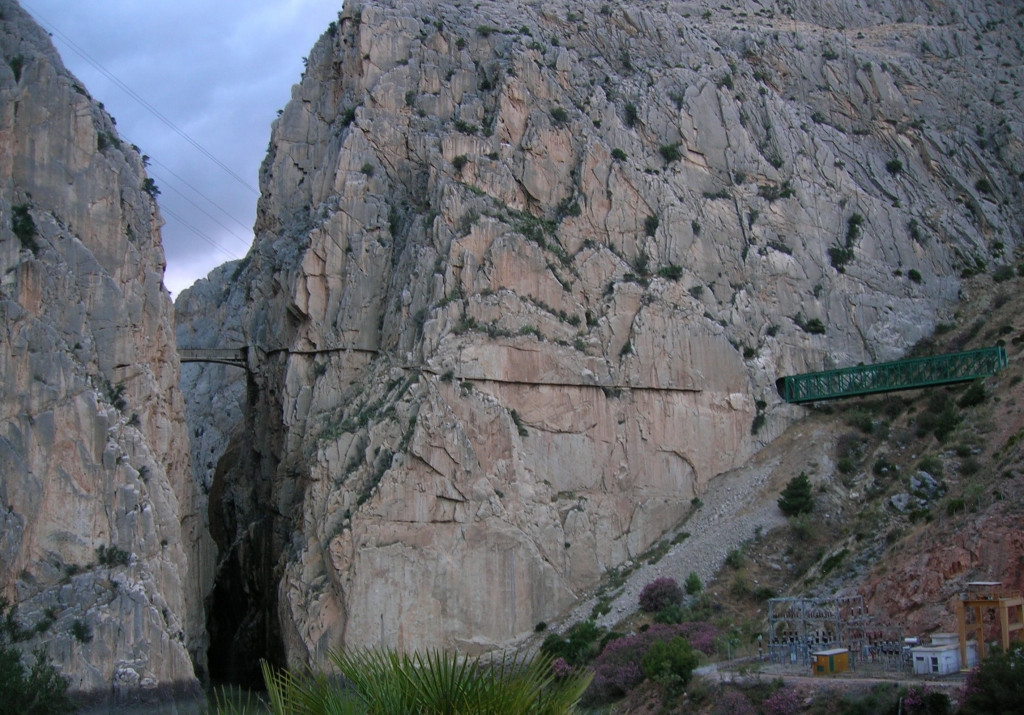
(757, 423)
(693, 585)
(802, 526)
(940, 417)
(112, 556)
(894, 166)
(670, 615)
(861, 419)
(954, 506)
(774, 192)
(16, 64)
(618, 154)
(672, 272)
(670, 152)
(973, 395)
(38, 689)
(1002, 274)
(997, 686)
(81, 631)
(24, 227)
(559, 115)
(814, 326)
(579, 646)
(796, 498)
(932, 464)
(630, 114)
(460, 162)
(670, 662)
(651, 224)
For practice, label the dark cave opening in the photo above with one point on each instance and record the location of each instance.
(241, 610)
(242, 616)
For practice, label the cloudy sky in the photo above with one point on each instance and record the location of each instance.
(218, 72)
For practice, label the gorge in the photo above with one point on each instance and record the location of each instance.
(523, 280)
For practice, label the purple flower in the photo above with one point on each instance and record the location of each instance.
(784, 701)
(561, 669)
(659, 594)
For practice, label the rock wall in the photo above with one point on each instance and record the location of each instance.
(99, 522)
(525, 274)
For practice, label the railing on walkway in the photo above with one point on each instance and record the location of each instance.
(888, 376)
(226, 356)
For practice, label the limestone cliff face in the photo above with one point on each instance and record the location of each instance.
(98, 521)
(525, 275)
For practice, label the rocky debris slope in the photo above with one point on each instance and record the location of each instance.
(525, 275)
(99, 522)
(737, 507)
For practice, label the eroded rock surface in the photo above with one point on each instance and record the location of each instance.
(525, 275)
(99, 523)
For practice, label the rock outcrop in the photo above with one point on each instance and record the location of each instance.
(100, 526)
(525, 274)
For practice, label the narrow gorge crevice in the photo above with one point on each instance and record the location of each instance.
(242, 620)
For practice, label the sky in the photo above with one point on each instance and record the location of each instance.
(218, 72)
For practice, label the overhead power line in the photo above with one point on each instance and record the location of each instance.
(170, 185)
(232, 256)
(146, 105)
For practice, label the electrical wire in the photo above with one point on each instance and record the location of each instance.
(170, 185)
(246, 241)
(232, 256)
(146, 105)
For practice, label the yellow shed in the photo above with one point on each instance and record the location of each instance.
(836, 660)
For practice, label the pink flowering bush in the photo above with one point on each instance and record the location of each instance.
(561, 669)
(612, 681)
(701, 635)
(617, 669)
(733, 702)
(784, 701)
(923, 701)
(659, 594)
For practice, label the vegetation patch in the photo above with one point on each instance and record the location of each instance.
(796, 498)
(24, 227)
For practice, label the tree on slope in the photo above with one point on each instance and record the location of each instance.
(796, 497)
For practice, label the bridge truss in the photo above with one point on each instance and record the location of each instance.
(889, 376)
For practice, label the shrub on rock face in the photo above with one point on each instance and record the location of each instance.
(660, 594)
(27, 690)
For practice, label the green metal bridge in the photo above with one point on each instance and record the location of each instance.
(889, 376)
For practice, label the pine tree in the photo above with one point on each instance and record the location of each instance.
(796, 497)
